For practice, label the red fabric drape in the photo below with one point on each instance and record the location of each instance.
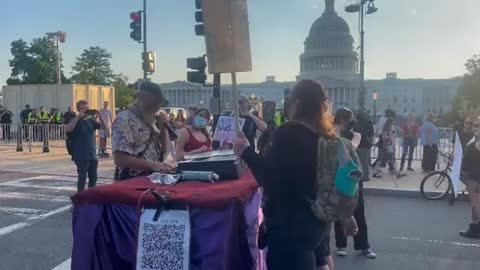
(196, 194)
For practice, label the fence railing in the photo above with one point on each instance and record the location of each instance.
(38, 135)
(47, 136)
(445, 146)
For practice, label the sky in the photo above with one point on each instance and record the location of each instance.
(415, 38)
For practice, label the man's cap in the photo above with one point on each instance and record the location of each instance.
(151, 88)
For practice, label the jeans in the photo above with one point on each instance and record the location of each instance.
(409, 145)
(360, 241)
(85, 167)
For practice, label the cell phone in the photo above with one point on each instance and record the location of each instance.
(91, 112)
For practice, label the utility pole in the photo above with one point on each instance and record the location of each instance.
(57, 38)
(144, 35)
(361, 99)
(360, 8)
(59, 71)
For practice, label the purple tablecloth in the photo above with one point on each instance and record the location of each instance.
(104, 237)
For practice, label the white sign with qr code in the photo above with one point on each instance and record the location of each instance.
(225, 130)
(164, 244)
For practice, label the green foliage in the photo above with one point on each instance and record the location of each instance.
(469, 91)
(93, 67)
(124, 94)
(33, 63)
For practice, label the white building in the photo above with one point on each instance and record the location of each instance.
(329, 58)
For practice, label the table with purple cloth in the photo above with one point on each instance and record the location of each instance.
(224, 221)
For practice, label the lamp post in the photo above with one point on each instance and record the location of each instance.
(375, 98)
(57, 38)
(360, 8)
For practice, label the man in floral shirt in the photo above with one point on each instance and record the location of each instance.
(138, 137)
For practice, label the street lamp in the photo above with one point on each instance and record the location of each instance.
(375, 98)
(58, 37)
(359, 7)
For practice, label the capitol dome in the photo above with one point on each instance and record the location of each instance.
(329, 22)
(329, 48)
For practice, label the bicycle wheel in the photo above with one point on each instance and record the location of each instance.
(436, 185)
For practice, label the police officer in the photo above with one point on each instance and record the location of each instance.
(32, 121)
(56, 117)
(43, 116)
(44, 119)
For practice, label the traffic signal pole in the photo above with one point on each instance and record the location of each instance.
(144, 35)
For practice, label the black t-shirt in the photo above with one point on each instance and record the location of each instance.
(6, 117)
(83, 136)
(24, 115)
(365, 128)
(249, 129)
(288, 172)
(471, 161)
(464, 138)
(68, 116)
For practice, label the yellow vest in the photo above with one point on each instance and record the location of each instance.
(43, 117)
(32, 119)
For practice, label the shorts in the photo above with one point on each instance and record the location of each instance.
(104, 132)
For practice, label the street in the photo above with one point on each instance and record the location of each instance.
(35, 220)
(407, 233)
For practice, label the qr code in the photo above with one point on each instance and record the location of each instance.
(163, 246)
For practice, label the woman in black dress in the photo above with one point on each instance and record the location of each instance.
(471, 178)
(296, 239)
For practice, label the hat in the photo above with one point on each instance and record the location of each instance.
(151, 88)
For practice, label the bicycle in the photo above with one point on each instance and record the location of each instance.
(437, 185)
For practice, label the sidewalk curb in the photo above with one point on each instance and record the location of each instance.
(404, 193)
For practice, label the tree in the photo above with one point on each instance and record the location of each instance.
(470, 87)
(468, 92)
(124, 94)
(33, 64)
(93, 67)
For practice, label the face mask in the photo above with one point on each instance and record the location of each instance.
(199, 122)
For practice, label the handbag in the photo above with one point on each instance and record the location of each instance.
(348, 172)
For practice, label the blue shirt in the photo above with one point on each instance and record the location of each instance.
(83, 137)
(429, 134)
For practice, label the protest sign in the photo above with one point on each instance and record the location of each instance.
(225, 130)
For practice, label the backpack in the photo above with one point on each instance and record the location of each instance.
(338, 175)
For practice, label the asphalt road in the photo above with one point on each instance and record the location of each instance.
(35, 229)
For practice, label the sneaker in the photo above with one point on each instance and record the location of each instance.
(472, 232)
(377, 175)
(342, 252)
(369, 253)
(410, 169)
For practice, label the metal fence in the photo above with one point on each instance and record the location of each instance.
(46, 136)
(31, 136)
(445, 146)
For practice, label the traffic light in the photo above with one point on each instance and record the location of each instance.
(136, 26)
(199, 65)
(149, 59)
(199, 27)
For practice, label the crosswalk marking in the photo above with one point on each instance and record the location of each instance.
(66, 265)
(31, 220)
(21, 211)
(33, 196)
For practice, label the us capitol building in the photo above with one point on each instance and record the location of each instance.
(329, 58)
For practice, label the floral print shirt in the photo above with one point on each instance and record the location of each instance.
(131, 135)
